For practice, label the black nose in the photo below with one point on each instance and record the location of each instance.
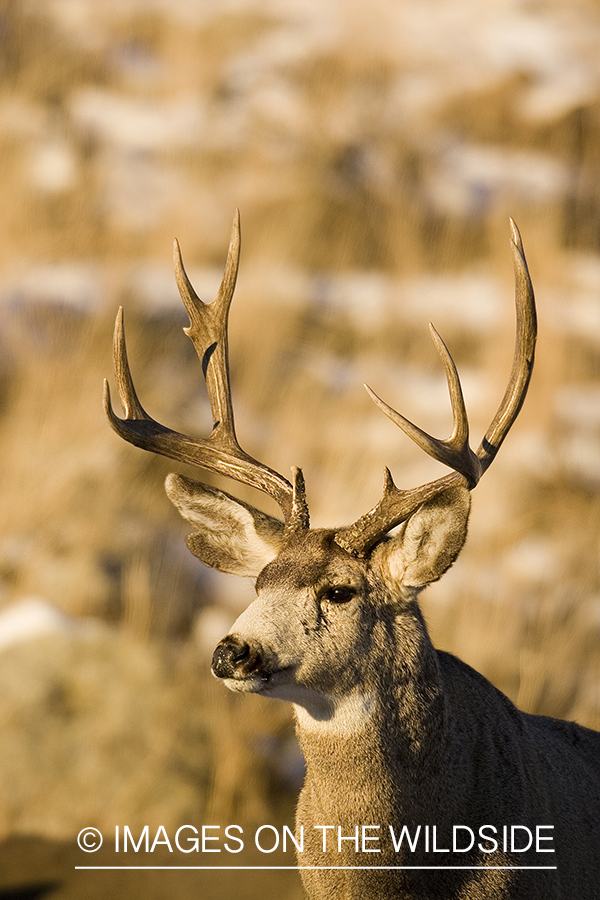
(232, 657)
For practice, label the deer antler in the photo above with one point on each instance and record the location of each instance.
(220, 452)
(396, 505)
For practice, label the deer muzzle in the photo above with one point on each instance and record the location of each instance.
(235, 658)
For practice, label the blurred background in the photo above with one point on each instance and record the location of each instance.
(375, 152)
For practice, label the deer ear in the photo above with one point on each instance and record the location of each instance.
(228, 535)
(429, 541)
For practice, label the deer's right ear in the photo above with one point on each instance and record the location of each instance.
(228, 535)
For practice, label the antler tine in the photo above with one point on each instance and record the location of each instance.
(134, 411)
(396, 505)
(455, 451)
(523, 358)
(220, 452)
(208, 333)
(132, 406)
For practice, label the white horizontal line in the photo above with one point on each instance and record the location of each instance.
(282, 868)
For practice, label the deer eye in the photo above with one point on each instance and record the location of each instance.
(339, 593)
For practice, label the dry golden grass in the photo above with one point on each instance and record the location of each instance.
(375, 177)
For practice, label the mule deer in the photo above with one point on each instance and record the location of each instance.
(422, 780)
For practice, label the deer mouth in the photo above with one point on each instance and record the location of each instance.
(251, 684)
(254, 683)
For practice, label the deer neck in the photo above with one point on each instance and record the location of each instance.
(380, 734)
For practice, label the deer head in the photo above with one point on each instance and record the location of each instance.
(326, 598)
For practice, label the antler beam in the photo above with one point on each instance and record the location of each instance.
(396, 505)
(220, 452)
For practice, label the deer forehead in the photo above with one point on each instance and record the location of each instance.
(311, 560)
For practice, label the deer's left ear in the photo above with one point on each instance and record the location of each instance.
(429, 541)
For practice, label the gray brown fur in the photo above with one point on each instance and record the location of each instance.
(426, 740)
(394, 732)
